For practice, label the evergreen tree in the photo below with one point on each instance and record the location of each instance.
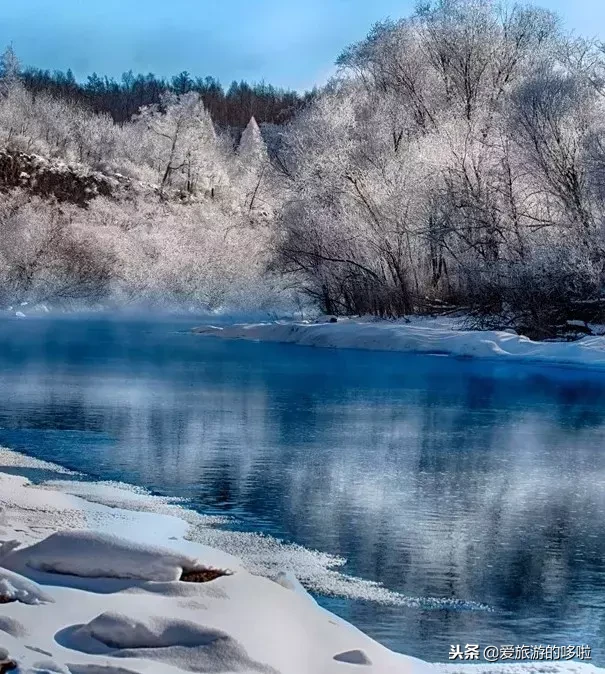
(252, 149)
(10, 68)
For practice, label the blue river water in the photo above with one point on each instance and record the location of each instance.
(472, 481)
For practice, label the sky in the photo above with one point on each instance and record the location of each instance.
(288, 43)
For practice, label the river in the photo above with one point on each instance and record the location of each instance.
(458, 485)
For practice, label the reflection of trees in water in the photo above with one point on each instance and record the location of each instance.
(436, 477)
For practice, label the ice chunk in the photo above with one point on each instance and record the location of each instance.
(48, 667)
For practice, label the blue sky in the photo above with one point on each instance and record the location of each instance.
(289, 43)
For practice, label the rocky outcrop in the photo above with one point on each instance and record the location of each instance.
(54, 178)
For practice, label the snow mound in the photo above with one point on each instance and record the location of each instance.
(225, 655)
(191, 646)
(90, 554)
(119, 631)
(12, 627)
(418, 337)
(14, 587)
(260, 554)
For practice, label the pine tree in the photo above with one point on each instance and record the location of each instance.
(253, 159)
(10, 67)
(252, 149)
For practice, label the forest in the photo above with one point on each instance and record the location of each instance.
(456, 162)
(123, 99)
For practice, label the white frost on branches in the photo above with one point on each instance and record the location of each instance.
(457, 159)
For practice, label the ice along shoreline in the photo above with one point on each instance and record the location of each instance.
(101, 610)
(423, 336)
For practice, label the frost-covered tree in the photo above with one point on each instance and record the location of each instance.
(44, 259)
(187, 150)
(457, 160)
(10, 68)
(251, 148)
(450, 163)
(254, 171)
(151, 245)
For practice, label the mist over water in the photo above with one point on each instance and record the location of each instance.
(480, 483)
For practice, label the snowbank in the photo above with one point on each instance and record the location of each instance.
(421, 336)
(260, 554)
(99, 555)
(126, 612)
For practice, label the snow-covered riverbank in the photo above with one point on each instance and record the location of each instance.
(426, 336)
(107, 598)
(93, 603)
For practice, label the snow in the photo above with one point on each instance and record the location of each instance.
(138, 617)
(119, 631)
(100, 555)
(288, 580)
(260, 554)
(10, 458)
(17, 588)
(424, 336)
(125, 611)
(193, 646)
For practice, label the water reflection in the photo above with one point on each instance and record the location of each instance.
(436, 477)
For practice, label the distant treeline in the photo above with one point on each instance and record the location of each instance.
(122, 99)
